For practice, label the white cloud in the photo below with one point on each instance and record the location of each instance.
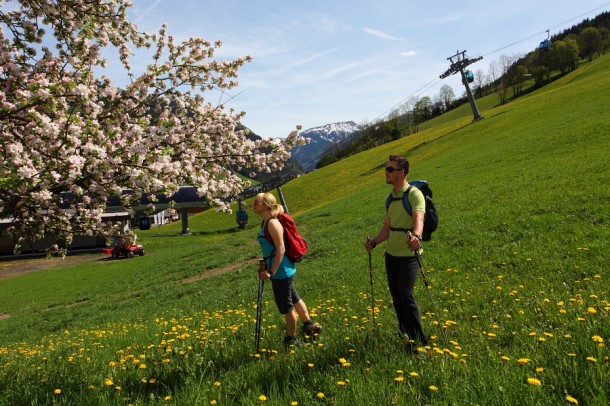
(408, 54)
(380, 34)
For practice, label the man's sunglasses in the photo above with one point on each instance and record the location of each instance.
(389, 169)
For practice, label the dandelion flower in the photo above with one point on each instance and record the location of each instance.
(399, 378)
(320, 395)
(216, 383)
(341, 383)
(213, 402)
(294, 403)
(167, 398)
(262, 398)
(598, 339)
(591, 310)
(413, 374)
(591, 359)
(108, 382)
(571, 399)
(523, 361)
(534, 381)
(57, 391)
(432, 387)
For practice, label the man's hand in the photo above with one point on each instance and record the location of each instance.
(413, 241)
(369, 244)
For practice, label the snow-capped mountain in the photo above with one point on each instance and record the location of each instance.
(321, 139)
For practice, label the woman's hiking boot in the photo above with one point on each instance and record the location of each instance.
(311, 330)
(291, 341)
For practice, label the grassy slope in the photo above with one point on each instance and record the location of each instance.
(520, 194)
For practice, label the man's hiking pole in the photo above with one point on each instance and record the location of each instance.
(259, 312)
(371, 279)
(423, 275)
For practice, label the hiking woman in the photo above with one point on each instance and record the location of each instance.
(281, 270)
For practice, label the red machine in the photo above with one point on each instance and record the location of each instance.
(124, 249)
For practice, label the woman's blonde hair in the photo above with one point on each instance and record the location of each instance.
(269, 200)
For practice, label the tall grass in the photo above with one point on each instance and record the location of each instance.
(517, 274)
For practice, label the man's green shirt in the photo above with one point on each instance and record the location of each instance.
(399, 218)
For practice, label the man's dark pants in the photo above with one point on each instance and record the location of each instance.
(402, 273)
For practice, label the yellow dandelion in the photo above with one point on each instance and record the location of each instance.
(213, 402)
(216, 383)
(400, 372)
(505, 358)
(591, 359)
(571, 354)
(534, 381)
(591, 310)
(598, 339)
(167, 398)
(571, 399)
(294, 403)
(413, 374)
(108, 382)
(523, 361)
(57, 391)
(399, 378)
(262, 398)
(540, 370)
(320, 395)
(310, 365)
(432, 387)
(341, 383)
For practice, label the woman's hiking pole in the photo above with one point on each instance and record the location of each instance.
(438, 319)
(371, 278)
(259, 312)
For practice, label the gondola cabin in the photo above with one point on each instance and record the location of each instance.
(469, 76)
(545, 45)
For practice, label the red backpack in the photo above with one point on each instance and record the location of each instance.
(296, 246)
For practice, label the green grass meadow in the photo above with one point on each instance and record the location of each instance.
(517, 272)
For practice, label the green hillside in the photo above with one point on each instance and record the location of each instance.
(517, 274)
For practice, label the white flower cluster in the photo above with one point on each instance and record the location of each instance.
(65, 128)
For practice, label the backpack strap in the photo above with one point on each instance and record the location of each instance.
(405, 203)
(267, 237)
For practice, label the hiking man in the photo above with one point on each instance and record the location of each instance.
(403, 234)
(281, 270)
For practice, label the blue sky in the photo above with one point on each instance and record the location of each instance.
(321, 62)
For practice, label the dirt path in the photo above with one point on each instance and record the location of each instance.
(13, 268)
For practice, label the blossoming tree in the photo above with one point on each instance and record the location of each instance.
(66, 130)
